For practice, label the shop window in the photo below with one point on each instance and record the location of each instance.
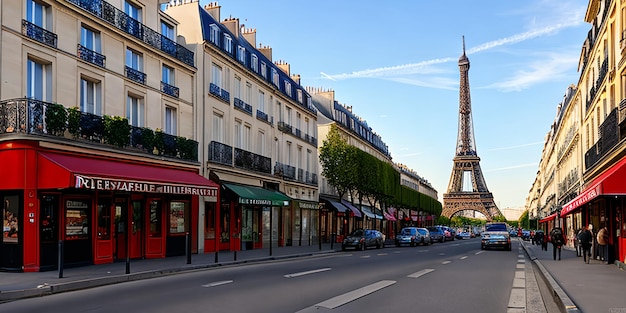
(48, 227)
(155, 218)
(76, 220)
(209, 220)
(10, 229)
(178, 218)
(104, 219)
(225, 223)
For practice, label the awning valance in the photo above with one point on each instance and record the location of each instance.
(72, 171)
(370, 213)
(352, 208)
(335, 204)
(548, 218)
(389, 214)
(251, 195)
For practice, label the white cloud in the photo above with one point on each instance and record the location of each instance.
(513, 167)
(518, 146)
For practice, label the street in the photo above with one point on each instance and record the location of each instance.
(448, 277)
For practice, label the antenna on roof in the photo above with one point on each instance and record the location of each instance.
(463, 44)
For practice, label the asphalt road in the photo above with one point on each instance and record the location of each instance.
(444, 277)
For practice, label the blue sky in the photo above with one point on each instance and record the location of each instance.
(395, 63)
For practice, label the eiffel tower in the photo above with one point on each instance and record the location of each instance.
(466, 167)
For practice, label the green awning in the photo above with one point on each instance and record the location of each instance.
(249, 195)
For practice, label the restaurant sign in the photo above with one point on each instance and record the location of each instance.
(98, 183)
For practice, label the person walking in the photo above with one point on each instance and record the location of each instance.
(556, 236)
(577, 245)
(585, 239)
(544, 242)
(603, 241)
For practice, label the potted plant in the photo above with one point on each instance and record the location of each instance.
(116, 131)
(56, 119)
(147, 139)
(73, 121)
(159, 143)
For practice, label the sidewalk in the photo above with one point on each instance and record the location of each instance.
(577, 286)
(22, 285)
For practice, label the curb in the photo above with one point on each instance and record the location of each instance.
(46, 289)
(566, 305)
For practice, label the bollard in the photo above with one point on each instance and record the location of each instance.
(60, 258)
(235, 256)
(188, 247)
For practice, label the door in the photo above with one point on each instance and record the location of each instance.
(129, 236)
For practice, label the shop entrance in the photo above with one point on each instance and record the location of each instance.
(251, 231)
(129, 237)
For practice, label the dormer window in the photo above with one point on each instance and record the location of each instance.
(255, 63)
(263, 70)
(215, 34)
(275, 77)
(288, 88)
(241, 54)
(300, 95)
(228, 43)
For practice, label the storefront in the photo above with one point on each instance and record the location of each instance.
(254, 215)
(306, 221)
(100, 209)
(335, 221)
(601, 204)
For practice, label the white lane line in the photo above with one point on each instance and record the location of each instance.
(218, 283)
(421, 273)
(464, 257)
(365, 256)
(307, 272)
(446, 262)
(381, 254)
(480, 252)
(355, 294)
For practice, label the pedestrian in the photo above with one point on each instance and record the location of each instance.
(544, 242)
(538, 239)
(556, 236)
(585, 239)
(577, 245)
(603, 241)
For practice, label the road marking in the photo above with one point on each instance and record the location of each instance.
(442, 254)
(479, 252)
(218, 283)
(307, 272)
(464, 257)
(355, 294)
(381, 254)
(446, 262)
(421, 273)
(365, 256)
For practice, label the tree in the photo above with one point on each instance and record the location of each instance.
(338, 162)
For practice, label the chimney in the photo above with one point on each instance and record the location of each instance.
(249, 34)
(232, 24)
(296, 78)
(213, 9)
(266, 50)
(283, 66)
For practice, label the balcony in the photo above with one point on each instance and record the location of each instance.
(609, 138)
(135, 75)
(285, 171)
(220, 153)
(54, 121)
(35, 32)
(284, 127)
(170, 90)
(252, 162)
(242, 106)
(91, 56)
(220, 93)
(262, 116)
(120, 20)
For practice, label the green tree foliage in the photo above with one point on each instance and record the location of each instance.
(337, 159)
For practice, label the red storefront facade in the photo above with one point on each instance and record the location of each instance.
(103, 207)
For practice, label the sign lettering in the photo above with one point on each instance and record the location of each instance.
(97, 183)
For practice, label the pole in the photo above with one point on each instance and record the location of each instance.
(188, 247)
(271, 230)
(60, 258)
(128, 230)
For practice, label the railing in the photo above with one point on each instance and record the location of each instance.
(252, 161)
(120, 20)
(284, 127)
(219, 93)
(37, 33)
(29, 116)
(170, 90)
(242, 106)
(609, 138)
(262, 116)
(135, 75)
(220, 153)
(91, 56)
(285, 171)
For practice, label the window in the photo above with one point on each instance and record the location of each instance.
(261, 143)
(77, 220)
(134, 60)
(216, 75)
(170, 121)
(38, 14)
(289, 160)
(300, 95)
(155, 218)
(10, 216)
(288, 115)
(255, 62)
(167, 30)
(237, 88)
(248, 93)
(263, 70)
(241, 54)
(90, 96)
(38, 80)
(209, 220)
(238, 132)
(134, 111)
(245, 143)
(132, 10)
(262, 101)
(90, 39)
(215, 34)
(288, 88)
(218, 127)
(167, 75)
(178, 220)
(228, 43)
(275, 77)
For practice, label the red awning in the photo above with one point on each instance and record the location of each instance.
(389, 216)
(72, 171)
(608, 183)
(548, 218)
(356, 212)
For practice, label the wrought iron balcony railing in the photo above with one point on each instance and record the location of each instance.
(37, 33)
(284, 127)
(262, 116)
(135, 75)
(242, 106)
(252, 161)
(91, 56)
(120, 20)
(170, 90)
(220, 153)
(609, 138)
(219, 93)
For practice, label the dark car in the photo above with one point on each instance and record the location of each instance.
(361, 239)
(436, 233)
(408, 236)
(448, 233)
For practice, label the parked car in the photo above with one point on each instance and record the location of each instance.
(408, 236)
(525, 234)
(436, 233)
(496, 235)
(448, 233)
(463, 235)
(361, 239)
(424, 236)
